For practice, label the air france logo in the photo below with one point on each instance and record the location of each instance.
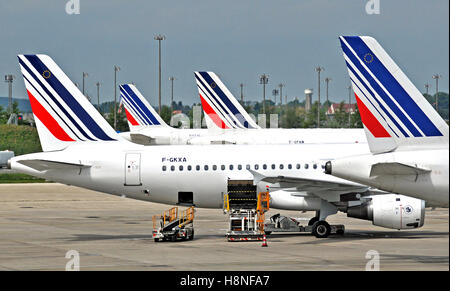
(174, 160)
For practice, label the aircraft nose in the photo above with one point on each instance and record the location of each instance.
(328, 168)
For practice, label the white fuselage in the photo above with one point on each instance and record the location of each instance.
(174, 136)
(159, 173)
(433, 186)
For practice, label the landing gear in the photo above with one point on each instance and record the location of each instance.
(321, 229)
(313, 220)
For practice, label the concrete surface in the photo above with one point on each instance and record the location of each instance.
(40, 223)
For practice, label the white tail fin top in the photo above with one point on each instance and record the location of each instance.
(220, 106)
(62, 114)
(138, 110)
(394, 112)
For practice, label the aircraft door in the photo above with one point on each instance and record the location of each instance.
(133, 169)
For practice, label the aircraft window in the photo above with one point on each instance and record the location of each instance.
(231, 167)
(315, 166)
(306, 166)
(164, 168)
(273, 166)
(181, 168)
(197, 168)
(248, 167)
(222, 167)
(298, 166)
(289, 166)
(265, 167)
(189, 168)
(256, 167)
(172, 168)
(281, 166)
(206, 167)
(239, 167)
(214, 167)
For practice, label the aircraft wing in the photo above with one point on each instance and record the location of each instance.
(313, 186)
(396, 169)
(43, 165)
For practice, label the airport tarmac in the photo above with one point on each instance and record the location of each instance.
(40, 223)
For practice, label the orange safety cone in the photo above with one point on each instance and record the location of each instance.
(264, 244)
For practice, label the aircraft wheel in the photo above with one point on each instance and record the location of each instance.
(313, 220)
(321, 229)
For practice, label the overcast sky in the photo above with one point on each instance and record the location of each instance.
(237, 39)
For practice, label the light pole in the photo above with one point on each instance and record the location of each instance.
(318, 70)
(98, 96)
(437, 77)
(171, 79)
(264, 79)
(84, 76)
(116, 69)
(242, 93)
(349, 104)
(427, 86)
(275, 94)
(159, 38)
(9, 79)
(327, 80)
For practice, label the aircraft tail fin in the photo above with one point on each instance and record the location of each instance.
(61, 113)
(138, 110)
(394, 112)
(221, 108)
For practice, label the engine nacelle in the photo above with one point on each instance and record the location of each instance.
(391, 211)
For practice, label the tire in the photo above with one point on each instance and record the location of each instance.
(173, 237)
(267, 232)
(340, 232)
(313, 220)
(156, 239)
(321, 229)
(191, 237)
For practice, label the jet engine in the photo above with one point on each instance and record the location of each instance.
(391, 211)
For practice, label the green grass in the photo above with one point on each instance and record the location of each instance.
(21, 139)
(19, 178)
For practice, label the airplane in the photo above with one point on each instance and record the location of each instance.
(146, 126)
(80, 148)
(235, 127)
(408, 139)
